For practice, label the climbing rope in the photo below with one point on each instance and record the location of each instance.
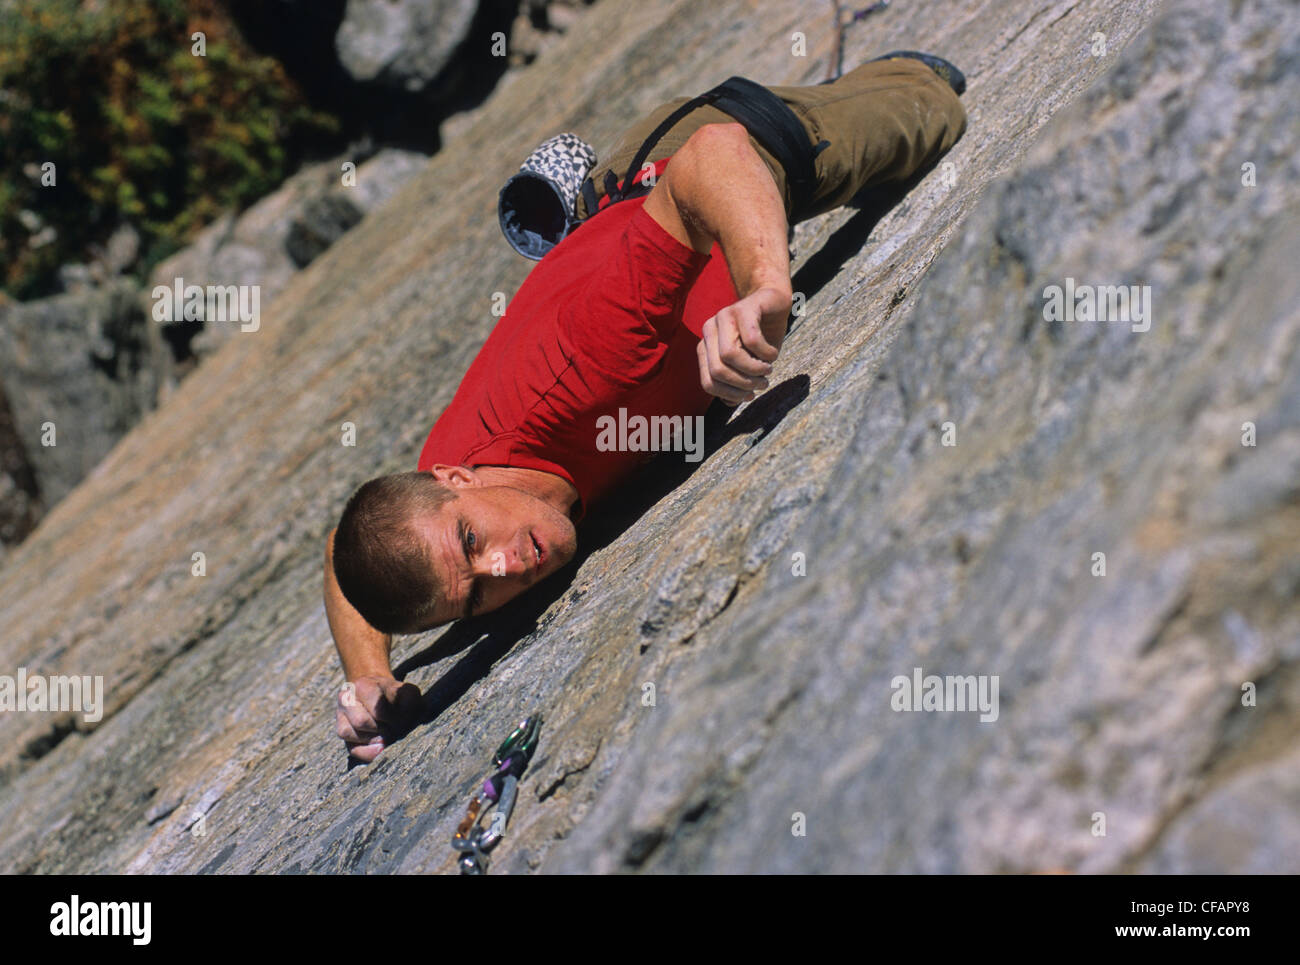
(836, 67)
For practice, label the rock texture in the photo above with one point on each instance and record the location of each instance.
(85, 362)
(402, 43)
(20, 497)
(267, 244)
(702, 698)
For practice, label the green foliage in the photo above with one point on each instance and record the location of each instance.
(140, 128)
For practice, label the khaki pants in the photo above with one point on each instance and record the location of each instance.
(885, 120)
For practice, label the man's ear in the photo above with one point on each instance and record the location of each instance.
(456, 477)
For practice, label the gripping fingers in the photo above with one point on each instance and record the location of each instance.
(739, 340)
(722, 371)
(355, 724)
(366, 752)
(727, 393)
(363, 741)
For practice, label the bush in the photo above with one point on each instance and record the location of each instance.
(139, 128)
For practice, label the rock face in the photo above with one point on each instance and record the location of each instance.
(87, 364)
(267, 244)
(326, 218)
(20, 496)
(84, 360)
(927, 485)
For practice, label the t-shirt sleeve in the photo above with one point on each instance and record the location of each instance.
(660, 269)
(632, 304)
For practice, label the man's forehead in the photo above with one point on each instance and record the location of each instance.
(430, 527)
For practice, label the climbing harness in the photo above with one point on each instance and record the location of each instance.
(768, 119)
(472, 839)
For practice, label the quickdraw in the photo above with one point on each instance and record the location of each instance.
(474, 840)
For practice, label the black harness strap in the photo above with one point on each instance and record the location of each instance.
(769, 120)
(648, 144)
(774, 125)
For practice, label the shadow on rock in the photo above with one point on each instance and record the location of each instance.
(872, 203)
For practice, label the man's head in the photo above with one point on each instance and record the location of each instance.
(417, 549)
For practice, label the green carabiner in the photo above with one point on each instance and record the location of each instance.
(523, 738)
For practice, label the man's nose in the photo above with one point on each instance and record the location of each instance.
(504, 560)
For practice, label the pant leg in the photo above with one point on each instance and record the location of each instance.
(885, 120)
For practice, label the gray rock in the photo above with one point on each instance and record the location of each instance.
(85, 363)
(1121, 702)
(75, 278)
(265, 245)
(1248, 825)
(94, 347)
(402, 43)
(327, 218)
(323, 221)
(121, 250)
(20, 500)
(247, 249)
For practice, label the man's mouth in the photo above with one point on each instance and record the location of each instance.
(539, 551)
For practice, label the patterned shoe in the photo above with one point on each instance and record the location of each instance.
(953, 77)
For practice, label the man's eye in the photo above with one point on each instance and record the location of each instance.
(470, 539)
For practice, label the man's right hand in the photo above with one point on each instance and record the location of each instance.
(739, 344)
(372, 711)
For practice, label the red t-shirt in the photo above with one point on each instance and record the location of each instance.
(608, 319)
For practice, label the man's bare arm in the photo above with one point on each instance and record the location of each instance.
(376, 706)
(717, 188)
(363, 650)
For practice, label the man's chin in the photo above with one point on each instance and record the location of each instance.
(566, 547)
(561, 542)
(557, 557)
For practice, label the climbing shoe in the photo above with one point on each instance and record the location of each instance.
(953, 77)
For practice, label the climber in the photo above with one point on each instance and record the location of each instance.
(678, 294)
